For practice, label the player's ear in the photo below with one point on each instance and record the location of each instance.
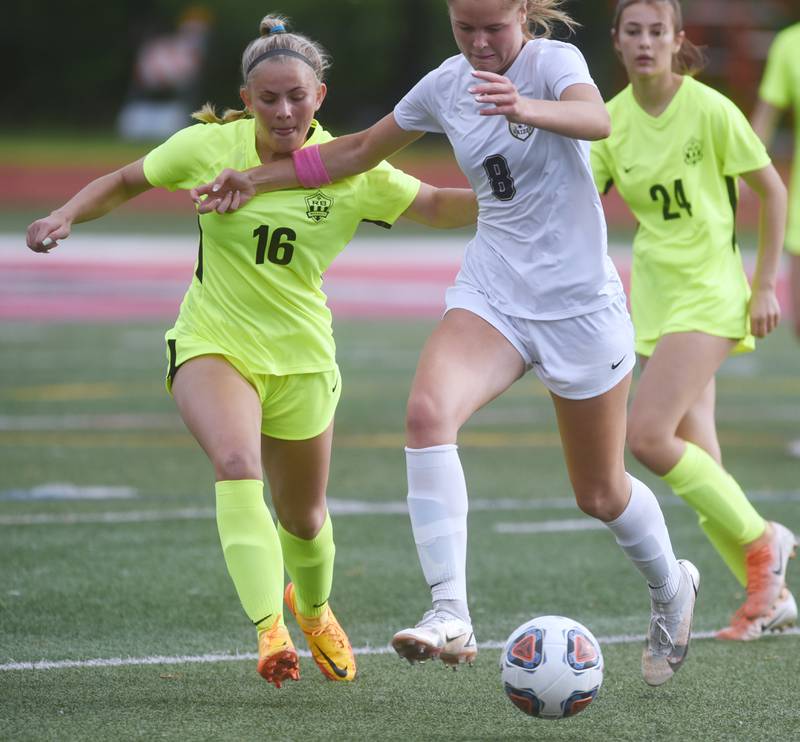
(244, 94)
(322, 91)
(615, 40)
(680, 37)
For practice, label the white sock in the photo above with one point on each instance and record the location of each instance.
(642, 534)
(437, 504)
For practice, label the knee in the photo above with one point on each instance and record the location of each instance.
(604, 500)
(427, 422)
(236, 464)
(644, 440)
(305, 525)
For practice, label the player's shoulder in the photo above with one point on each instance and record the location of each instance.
(709, 101)
(547, 52)
(552, 46)
(208, 133)
(787, 39)
(457, 61)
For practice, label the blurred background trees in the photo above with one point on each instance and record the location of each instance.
(70, 64)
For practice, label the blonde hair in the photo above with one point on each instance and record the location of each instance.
(318, 59)
(691, 59)
(542, 16)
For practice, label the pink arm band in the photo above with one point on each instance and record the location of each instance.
(309, 167)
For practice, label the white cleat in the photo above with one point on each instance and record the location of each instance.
(781, 616)
(670, 629)
(439, 635)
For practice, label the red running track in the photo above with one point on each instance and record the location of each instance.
(112, 279)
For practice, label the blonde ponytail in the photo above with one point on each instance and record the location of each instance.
(543, 16)
(208, 115)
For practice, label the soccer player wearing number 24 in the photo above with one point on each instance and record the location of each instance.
(251, 357)
(675, 153)
(536, 291)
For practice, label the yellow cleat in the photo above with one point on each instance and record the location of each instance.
(327, 641)
(277, 657)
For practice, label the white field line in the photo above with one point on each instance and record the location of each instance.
(249, 656)
(550, 526)
(362, 507)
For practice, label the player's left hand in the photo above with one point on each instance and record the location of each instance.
(229, 191)
(500, 94)
(765, 312)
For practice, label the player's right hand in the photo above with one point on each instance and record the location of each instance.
(43, 234)
(229, 191)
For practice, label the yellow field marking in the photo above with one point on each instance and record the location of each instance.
(113, 439)
(78, 392)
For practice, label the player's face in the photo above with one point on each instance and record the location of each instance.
(646, 39)
(488, 32)
(283, 94)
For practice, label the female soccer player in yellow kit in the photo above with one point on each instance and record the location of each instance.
(251, 357)
(676, 150)
(780, 89)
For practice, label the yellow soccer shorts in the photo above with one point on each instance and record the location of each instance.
(294, 407)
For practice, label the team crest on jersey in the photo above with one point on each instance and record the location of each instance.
(693, 152)
(520, 131)
(318, 206)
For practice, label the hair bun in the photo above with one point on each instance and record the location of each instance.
(272, 24)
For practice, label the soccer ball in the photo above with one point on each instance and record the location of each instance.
(551, 667)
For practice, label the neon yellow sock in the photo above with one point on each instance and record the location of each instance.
(310, 566)
(725, 513)
(252, 549)
(731, 552)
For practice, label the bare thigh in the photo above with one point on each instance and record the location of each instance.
(297, 472)
(465, 364)
(698, 425)
(593, 438)
(223, 412)
(674, 384)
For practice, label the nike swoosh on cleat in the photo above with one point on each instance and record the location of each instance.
(780, 562)
(453, 638)
(342, 673)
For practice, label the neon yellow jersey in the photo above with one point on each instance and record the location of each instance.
(781, 88)
(257, 288)
(678, 174)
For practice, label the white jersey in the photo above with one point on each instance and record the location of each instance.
(540, 250)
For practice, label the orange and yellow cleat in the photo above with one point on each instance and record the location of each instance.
(327, 641)
(277, 657)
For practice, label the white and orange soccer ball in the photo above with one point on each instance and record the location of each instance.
(551, 667)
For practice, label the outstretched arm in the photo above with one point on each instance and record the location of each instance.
(344, 156)
(765, 120)
(93, 201)
(443, 207)
(764, 307)
(579, 114)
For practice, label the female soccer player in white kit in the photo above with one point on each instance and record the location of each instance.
(536, 291)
